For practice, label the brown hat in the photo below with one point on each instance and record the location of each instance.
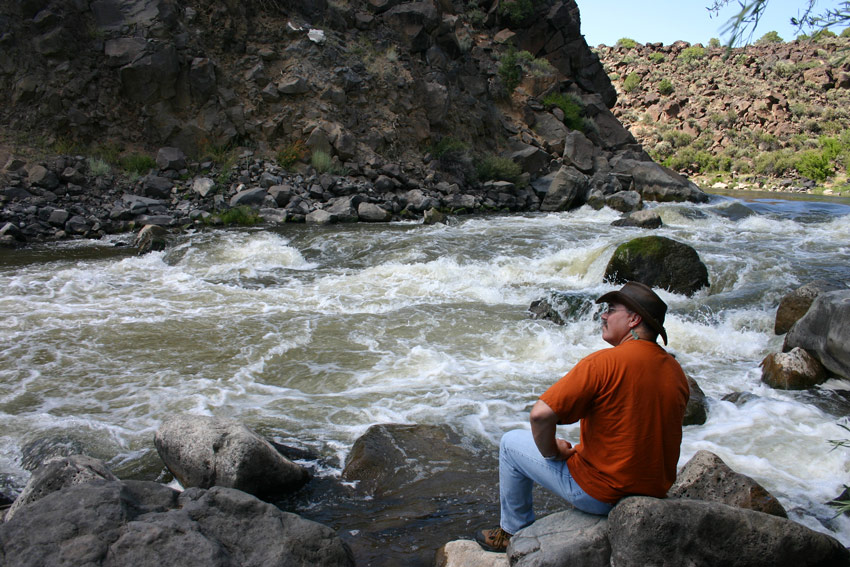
(642, 300)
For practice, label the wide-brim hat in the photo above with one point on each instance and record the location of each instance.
(642, 300)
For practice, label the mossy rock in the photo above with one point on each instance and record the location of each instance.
(658, 262)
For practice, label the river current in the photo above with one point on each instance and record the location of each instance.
(310, 334)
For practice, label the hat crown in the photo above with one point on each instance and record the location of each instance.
(640, 298)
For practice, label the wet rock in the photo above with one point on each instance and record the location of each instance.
(433, 216)
(696, 412)
(657, 183)
(151, 238)
(562, 306)
(624, 201)
(695, 532)
(707, 477)
(644, 218)
(37, 452)
(824, 331)
(57, 473)
(567, 191)
(206, 451)
(370, 212)
(795, 304)
(658, 262)
(566, 538)
(145, 523)
(793, 370)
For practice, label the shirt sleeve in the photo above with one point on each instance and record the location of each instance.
(571, 397)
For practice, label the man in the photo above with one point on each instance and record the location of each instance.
(630, 399)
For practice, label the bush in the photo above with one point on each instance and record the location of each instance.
(242, 216)
(845, 32)
(321, 161)
(665, 87)
(714, 43)
(631, 82)
(292, 153)
(823, 34)
(769, 37)
(498, 169)
(571, 107)
(137, 163)
(774, 163)
(814, 164)
(626, 42)
(692, 53)
(448, 146)
(516, 11)
(509, 70)
(98, 167)
(656, 57)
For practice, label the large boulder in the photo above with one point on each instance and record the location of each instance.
(467, 553)
(824, 331)
(568, 190)
(566, 538)
(794, 305)
(657, 183)
(793, 370)
(658, 262)
(643, 218)
(147, 524)
(707, 477)
(696, 412)
(57, 473)
(208, 451)
(672, 532)
(151, 237)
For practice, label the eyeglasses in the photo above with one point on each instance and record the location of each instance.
(612, 310)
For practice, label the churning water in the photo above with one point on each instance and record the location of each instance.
(311, 334)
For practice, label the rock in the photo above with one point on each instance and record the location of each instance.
(145, 524)
(151, 238)
(467, 553)
(42, 177)
(567, 191)
(203, 186)
(579, 151)
(658, 183)
(707, 477)
(793, 370)
(658, 262)
(370, 212)
(11, 231)
(795, 304)
(293, 86)
(319, 216)
(530, 158)
(566, 538)
(696, 412)
(562, 306)
(433, 216)
(624, 201)
(253, 197)
(551, 130)
(643, 218)
(672, 532)
(156, 187)
(39, 451)
(207, 451)
(57, 473)
(824, 331)
(170, 159)
(77, 225)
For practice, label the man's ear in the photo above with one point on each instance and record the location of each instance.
(637, 321)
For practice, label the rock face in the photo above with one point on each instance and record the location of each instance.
(707, 477)
(672, 532)
(824, 331)
(793, 370)
(145, 523)
(205, 451)
(793, 306)
(658, 262)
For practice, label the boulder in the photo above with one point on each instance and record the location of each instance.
(568, 190)
(467, 553)
(562, 306)
(658, 262)
(696, 412)
(370, 212)
(203, 186)
(151, 237)
(107, 523)
(657, 183)
(57, 473)
(643, 218)
(579, 151)
(319, 216)
(792, 370)
(172, 159)
(208, 451)
(530, 158)
(824, 331)
(155, 187)
(707, 477)
(571, 537)
(253, 197)
(433, 216)
(624, 201)
(795, 304)
(673, 532)
(551, 130)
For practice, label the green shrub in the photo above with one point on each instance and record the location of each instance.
(292, 153)
(845, 32)
(665, 87)
(692, 53)
(498, 169)
(631, 82)
(571, 107)
(626, 42)
(814, 164)
(509, 70)
(776, 163)
(516, 11)
(769, 37)
(677, 138)
(242, 216)
(137, 163)
(656, 57)
(822, 35)
(98, 167)
(714, 43)
(447, 146)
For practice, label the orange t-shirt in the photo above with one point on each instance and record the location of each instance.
(631, 400)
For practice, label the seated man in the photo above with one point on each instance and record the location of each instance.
(630, 399)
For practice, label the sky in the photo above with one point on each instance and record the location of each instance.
(606, 21)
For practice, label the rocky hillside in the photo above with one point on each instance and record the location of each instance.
(770, 115)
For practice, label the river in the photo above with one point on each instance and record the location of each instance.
(311, 334)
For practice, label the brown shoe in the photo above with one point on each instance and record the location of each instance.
(496, 539)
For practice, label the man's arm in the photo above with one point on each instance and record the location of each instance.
(543, 426)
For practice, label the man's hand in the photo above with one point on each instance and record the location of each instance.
(543, 425)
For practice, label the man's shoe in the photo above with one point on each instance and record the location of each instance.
(496, 539)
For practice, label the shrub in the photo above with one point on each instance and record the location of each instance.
(321, 161)
(448, 146)
(137, 163)
(631, 82)
(845, 32)
(98, 167)
(509, 70)
(692, 53)
(498, 168)
(714, 43)
(769, 37)
(656, 57)
(665, 87)
(292, 153)
(571, 107)
(242, 216)
(626, 42)
(774, 163)
(822, 35)
(814, 164)
(516, 11)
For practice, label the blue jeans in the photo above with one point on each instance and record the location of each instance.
(520, 466)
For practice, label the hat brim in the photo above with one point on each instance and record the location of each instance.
(623, 299)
